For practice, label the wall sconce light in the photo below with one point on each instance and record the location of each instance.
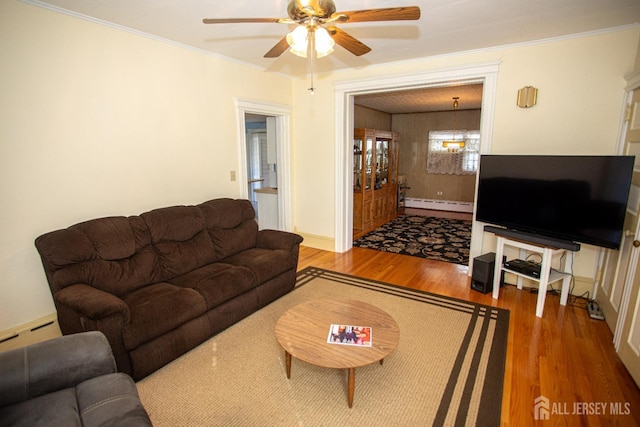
(527, 97)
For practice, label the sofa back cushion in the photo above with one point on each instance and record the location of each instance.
(180, 237)
(231, 224)
(113, 254)
(121, 254)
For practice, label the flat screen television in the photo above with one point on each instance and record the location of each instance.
(569, 198)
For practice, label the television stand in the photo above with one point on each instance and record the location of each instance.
(547, 274)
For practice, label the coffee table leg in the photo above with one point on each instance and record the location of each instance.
(352, 385)
(287, 360)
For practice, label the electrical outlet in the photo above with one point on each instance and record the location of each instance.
(594, 311)
(232, 175)
(439, 193)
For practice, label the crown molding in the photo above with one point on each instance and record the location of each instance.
(633, 80)
(67, 12)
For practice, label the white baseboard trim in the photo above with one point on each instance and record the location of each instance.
(440, 205)
(317, 242)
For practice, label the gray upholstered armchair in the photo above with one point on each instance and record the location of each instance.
(67, 381)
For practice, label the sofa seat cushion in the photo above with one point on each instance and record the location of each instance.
(111, 400)
(264, 263)
(158, 309)
(218, 282)
(108, 400)
(53, 409)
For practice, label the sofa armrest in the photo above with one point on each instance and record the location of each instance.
(53, 365)
(274, 239)
(92, 303)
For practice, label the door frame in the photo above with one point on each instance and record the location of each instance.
(633, 83)
(345, 91)
(611, 292)
(282, 114)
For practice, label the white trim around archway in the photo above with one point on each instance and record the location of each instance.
(485, 73)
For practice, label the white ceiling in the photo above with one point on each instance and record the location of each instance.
(423, 100)
(445, 26)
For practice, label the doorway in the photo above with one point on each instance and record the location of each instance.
(346, 91)
(432, 173)
(264, 165)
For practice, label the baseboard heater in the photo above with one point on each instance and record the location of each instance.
(440, 205)
(32, 332)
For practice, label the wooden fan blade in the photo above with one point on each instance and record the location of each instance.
(348, 42)
(278, 49)
(241, 20)
(409, 13)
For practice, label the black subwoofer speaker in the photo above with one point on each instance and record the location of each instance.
(483, 269)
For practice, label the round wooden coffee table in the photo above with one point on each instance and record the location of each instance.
(303, 332)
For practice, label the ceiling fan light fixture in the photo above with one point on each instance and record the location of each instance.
(324, 42)
(454, 145)
(313, 16)
(298, 39)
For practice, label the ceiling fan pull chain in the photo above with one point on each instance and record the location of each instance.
(312, 89)
(311, 54)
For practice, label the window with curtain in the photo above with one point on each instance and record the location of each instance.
(452, 159)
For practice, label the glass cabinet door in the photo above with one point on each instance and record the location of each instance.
(395, 153)
(357, 165)
(368, 163)
(382, 163)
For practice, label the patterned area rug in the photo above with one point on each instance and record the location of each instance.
(441, 239)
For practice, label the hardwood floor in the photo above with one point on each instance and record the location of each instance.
(564, 356)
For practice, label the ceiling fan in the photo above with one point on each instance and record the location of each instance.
(316, 34)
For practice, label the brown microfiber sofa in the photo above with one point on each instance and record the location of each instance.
(160, 283)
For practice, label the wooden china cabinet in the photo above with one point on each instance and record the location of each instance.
(375, 178)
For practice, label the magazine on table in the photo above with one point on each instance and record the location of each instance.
(350, 335)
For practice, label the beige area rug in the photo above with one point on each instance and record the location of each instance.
(448, 368)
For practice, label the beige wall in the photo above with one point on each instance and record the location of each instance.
(581, 91)
(369, 118)
(581, 82)
(96, 121)
(637, 66)
(414, 130)
(414, 147)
